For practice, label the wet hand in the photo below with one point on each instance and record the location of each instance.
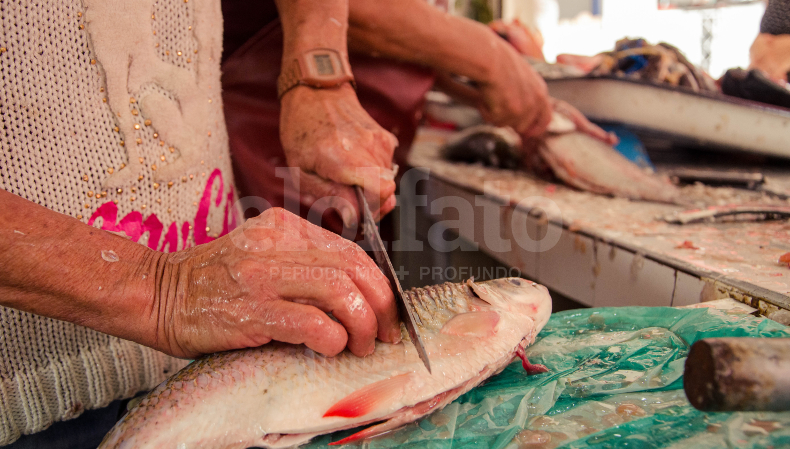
(328, 135)
(277, 277)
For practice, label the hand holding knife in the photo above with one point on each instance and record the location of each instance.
(405, 307)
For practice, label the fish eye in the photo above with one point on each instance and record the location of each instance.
(515, 282)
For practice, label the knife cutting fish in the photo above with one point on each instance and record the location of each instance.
(405, 307)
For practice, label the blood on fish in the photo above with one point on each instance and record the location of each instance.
(785, 258)
(529, 367)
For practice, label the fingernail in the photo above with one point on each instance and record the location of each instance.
(348, 216)
(395, 336)
(387, 175)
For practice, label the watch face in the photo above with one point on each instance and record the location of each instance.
(323, 68)
(323, 65)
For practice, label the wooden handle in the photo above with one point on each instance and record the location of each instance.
(739, 374)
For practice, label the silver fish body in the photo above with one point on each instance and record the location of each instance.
(588, 164)
(282, 395)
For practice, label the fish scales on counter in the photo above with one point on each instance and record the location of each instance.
(281, 395)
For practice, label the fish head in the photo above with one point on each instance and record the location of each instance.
(517, 296)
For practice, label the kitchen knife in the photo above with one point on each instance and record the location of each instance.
(405, 307)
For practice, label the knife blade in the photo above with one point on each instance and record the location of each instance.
(405, 307)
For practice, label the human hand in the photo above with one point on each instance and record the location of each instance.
(513, 94)
(274, 278)
(526, 40)
(328, 135)
(771, 54)
(565, 119)
(581, 123)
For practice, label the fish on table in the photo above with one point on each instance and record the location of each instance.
(281, 395)
(568, 151)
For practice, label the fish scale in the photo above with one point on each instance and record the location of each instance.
(280, 395)
(432, 301)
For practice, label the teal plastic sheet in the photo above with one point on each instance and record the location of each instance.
(615, 381)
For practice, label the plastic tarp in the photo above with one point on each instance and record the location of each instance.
(615, 381)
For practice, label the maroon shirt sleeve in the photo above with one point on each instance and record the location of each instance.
(242, 19)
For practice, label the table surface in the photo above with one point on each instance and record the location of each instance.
(718, 259)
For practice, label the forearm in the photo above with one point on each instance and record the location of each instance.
(309, 24)
(438, 40)
(771, 54)
(56, 266)
(507, 90)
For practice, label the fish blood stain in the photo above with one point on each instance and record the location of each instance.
(531, 438)
(628, 410)
(110, 256)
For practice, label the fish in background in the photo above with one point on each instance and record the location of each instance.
(281, 395)
(572, 150)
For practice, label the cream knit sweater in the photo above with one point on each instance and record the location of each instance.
(111, 113)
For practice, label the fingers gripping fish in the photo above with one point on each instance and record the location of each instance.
(282, 395)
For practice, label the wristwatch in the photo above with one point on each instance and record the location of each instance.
(319, 68)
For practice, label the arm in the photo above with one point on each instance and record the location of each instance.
(509, 92)
(52, 265)
(234, 292)
(771, 54)
(326, 132)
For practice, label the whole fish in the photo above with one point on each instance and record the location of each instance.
(281, 395)
(567, 150)
(588, 164)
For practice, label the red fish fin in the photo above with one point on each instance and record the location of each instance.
(370, 398)
(409, 414)
(529, 367)
(472, 324)
(376, 430)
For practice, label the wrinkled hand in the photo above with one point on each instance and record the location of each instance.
(275, 278)
(771, 54)
(328, 135)
(514, 94)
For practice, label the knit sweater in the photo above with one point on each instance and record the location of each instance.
(776, 19)
(111, 113)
